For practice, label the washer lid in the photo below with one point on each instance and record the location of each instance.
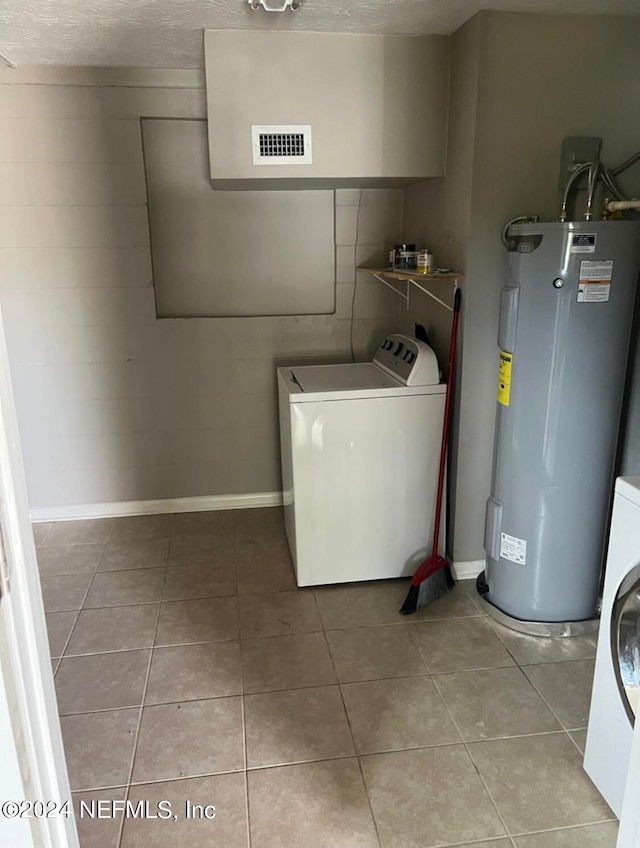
(307, 383)
(629, 488)
(342, 378)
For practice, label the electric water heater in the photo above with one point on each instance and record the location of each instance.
(565, 322)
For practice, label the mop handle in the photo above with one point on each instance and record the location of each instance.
(447, 413)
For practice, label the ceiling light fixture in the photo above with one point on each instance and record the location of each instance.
(276, 5)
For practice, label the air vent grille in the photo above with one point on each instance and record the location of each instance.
(281, 145)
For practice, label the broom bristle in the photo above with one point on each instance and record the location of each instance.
(433, 587)
(410, 604)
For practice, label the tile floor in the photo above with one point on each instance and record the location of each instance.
(188, 666)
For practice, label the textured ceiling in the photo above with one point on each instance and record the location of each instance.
(168, 33)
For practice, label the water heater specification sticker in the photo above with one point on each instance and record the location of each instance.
(513, 549)
(583, 243)
(594, 285)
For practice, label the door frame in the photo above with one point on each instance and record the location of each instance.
(25, 666)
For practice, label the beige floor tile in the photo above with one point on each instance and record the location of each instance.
(135, 553)
(98, 747)
(315, 805)
(123, 588)
(264, 569)
(494, 703)
(390, 715)
(493, 843)
(263, 548)
(64, 592)
(189, 739)
(296, 726)
(373, 653)
(194, 672)
(229, 828)
(201, 547)
(140, 527)
(263, 524)
(459, 644)
(429, 797)
(40, 531)
(59, 627)
(566, 687)
(468, 585)
(69, 559)
(279, 613)
(603, 835)
(114, 629)
(188, 582)
(286, 662)
(206, 620)
(86, 532)
(189, 523)
(528, 650)
(98, 832)
(538, 782)
(101, 681)
(580, 738)
(456, 603)
(360, 604)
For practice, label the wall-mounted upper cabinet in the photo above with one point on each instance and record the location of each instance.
(342, 109)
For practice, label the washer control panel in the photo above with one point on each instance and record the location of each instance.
(411, 362)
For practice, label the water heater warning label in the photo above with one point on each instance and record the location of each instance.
(504, 377)
(513, 549)
(594, 285)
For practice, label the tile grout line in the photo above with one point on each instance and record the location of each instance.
(557, 717)
(247, 805)
(473, 763)
(353, 740)
(81, 608)
(140, 714)
(568, 827)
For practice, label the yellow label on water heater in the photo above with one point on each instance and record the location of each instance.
(504, 377)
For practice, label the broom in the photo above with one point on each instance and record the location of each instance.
(433, 577)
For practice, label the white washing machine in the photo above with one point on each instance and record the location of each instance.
(615, 700)
(360, 450)
(629, 832)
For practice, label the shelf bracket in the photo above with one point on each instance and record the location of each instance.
(393, 288)
(433, 296)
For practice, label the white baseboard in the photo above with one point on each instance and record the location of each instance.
(467, 570)
(198, 504)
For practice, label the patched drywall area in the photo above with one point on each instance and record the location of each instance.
(113, 404)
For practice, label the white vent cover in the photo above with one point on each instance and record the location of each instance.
(285, 144)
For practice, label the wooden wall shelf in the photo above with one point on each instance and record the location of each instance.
(412, 278)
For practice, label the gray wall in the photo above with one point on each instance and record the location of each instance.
(438, 214)
(113, 404)
(539, 78)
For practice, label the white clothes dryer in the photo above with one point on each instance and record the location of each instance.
(615, 701)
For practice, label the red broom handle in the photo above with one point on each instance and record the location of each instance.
(447, 414)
